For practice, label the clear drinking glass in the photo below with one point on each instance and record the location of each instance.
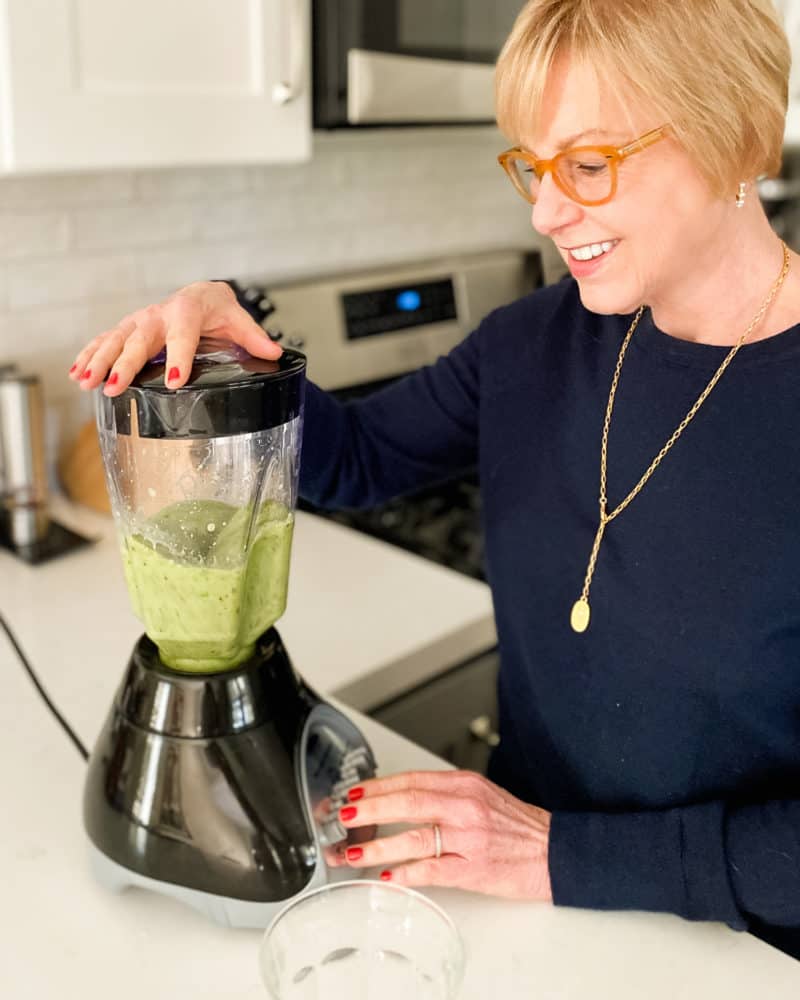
(362, 940)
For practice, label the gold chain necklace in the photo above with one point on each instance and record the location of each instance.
(579, 618)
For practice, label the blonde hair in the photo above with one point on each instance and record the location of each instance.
(716, 70)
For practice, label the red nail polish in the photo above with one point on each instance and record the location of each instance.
(386, 876)
(72, 369)
(113, 378)
(354, 854)
(348, 813)
(354, 794)
(86, 374)
(174, 373)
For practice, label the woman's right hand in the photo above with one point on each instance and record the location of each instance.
(204, 308)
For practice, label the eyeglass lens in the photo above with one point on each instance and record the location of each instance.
(586, 175)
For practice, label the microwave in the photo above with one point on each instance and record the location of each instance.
(407, 62)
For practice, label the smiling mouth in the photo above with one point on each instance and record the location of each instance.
(591, 250)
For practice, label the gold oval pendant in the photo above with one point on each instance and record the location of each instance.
(579, 619)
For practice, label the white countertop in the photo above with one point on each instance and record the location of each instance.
(65, 937)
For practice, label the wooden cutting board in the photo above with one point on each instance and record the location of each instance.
(81, 470)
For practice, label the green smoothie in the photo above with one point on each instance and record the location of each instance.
(203, 599)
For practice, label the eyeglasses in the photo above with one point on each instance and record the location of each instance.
(587, 174)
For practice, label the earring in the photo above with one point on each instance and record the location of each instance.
(740, 197)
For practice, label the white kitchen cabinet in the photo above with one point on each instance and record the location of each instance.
(90, 84)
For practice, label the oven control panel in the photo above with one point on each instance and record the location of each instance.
(401, 307)
(361, 327)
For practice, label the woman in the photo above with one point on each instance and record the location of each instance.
(649, 625)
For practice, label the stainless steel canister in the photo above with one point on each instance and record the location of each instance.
(23, 476)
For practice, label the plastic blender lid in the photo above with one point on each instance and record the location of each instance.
(228, 392)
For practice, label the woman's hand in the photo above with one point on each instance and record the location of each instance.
(491, 842)
(205, 308)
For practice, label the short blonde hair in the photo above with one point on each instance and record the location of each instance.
(716, 70)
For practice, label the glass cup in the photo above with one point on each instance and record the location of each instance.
(362, 940)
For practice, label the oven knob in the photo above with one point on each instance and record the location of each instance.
(258, 300)
(481, 729)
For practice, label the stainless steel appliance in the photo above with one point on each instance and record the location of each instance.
(407, 61)
(361, 330)
(219, 773)
(25, 524)
(781, 198)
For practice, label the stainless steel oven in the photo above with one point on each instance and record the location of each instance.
(407, 62)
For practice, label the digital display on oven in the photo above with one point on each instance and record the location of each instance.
(389, 310)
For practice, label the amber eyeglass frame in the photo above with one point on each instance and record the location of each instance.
(614, 154)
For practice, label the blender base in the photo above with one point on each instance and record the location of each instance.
(221, 910)
(221, 790)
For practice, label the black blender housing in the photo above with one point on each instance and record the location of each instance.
(193, 782)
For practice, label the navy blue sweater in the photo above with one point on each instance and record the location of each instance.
(666, 738)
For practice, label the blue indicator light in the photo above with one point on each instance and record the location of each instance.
(408, 301)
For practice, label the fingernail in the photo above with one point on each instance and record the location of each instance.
(347, 813)
(174, 373)
(74, 367)
(354, 854)
(386, 876)
(86, 374)
(354, 794)
(113, 378)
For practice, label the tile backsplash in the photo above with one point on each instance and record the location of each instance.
(79, 251)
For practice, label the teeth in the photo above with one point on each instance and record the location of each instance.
(592, 250)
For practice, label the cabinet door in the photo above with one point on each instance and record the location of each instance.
(127, 83)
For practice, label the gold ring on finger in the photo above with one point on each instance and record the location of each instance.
(437, 841)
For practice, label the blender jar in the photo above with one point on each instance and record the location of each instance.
(203, 486)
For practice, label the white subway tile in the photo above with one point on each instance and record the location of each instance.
(162, 271)
(31, 234)
(179, 184)
(226, 218)
(133, 225)
(104, 315)
(71, 278)
(276, 180)
(46, 333)
(287, 255)
(65, 189)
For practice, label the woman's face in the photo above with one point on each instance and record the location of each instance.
(662, 218)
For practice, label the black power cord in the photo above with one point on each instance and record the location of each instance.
(39, 687)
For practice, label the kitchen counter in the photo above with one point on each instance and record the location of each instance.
(65, 937)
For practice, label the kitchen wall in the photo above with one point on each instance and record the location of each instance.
(79, 251)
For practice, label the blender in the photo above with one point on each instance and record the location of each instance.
(218, 775)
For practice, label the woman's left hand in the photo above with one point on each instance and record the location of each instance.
(491, 842)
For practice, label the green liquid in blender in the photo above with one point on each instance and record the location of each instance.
(204, 593)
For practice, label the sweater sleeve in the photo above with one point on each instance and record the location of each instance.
(421, 429)
(711, 861)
